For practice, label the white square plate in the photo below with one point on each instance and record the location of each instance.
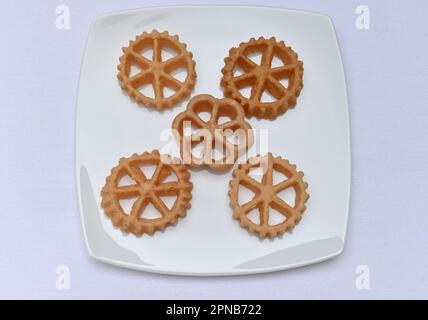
(314, 135)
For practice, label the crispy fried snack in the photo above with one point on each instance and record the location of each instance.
(266, 195)
(263, 77)
(147, 190)
(155, 72)
(214, 134)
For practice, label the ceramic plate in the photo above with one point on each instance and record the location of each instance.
(314, 135)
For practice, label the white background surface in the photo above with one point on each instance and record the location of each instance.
(387, 72)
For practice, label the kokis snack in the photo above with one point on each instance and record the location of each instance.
(263, 77)
(213, 134)
(146, 190)
(155, 71)
(266, 195)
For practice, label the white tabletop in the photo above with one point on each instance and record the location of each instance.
(40, 228)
